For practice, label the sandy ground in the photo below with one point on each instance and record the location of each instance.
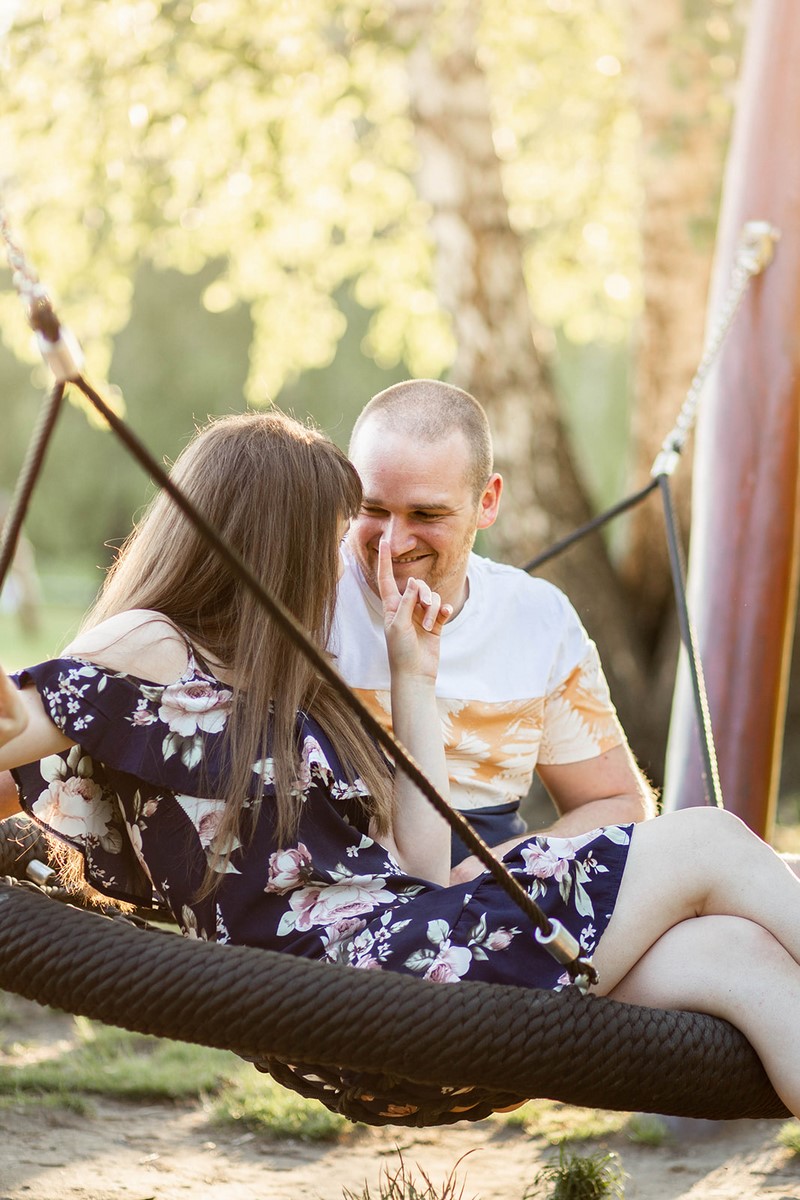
(171, 1152)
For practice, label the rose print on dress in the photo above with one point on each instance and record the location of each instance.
(73, 804)
(191, 708)
(555, 859)
(289, 869)
(325, 904)
(206, 816)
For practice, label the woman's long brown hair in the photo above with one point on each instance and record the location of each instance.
(277, 491)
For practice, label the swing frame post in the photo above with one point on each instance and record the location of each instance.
(743, 562)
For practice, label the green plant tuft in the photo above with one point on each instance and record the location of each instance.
(789, 1136)
(645, 1129)
(581, 1177)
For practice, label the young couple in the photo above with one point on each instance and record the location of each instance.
(182, 746)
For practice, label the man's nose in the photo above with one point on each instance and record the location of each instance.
(399, 535)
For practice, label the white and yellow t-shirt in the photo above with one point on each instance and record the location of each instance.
(519, 681)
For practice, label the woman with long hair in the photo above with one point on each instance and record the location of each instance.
(183, 750)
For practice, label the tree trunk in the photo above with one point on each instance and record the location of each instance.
(481, 283)
(685, 121)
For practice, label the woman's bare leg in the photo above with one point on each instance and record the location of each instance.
(733, 968)
(692, 863)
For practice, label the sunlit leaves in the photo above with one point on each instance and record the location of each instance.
(273, 137)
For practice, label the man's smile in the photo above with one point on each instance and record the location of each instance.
(405, 559)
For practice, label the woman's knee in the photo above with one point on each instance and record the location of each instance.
(702, 829)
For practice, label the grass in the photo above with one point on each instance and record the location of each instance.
(401, 1184)
(19, 648)
(645, 1129)
(105, 1061)
(258, 1104)
(580, 1177)
(559, 1123)
(789, 1136)
(112, 1062)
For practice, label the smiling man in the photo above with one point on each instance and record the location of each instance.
(520, 687)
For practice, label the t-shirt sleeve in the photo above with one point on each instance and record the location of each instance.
(579, 719)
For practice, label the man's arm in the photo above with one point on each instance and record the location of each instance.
(609, 789)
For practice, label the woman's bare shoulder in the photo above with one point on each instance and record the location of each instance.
(139, 642)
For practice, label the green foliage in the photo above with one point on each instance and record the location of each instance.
(400, 1184)
(112, 1062)
(645, 1129)
(581, 1177)
(789, 1136)
(232, 185)
(255, 1102)
(275, 141)
(20, 648)
(269, 138)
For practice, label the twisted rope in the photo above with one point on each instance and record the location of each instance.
(28, 477)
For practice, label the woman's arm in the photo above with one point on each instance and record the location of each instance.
(413, 620)
(26, 731)
(13, 713)
(139, 641)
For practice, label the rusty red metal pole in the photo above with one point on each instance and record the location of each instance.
(743, 562)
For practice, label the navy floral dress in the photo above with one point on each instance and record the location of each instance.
(133, 798)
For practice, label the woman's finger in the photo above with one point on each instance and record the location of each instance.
(445, 613)
(430, 603)
(387, 585)
(428, 609)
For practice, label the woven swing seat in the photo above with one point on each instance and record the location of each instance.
(385, 1048)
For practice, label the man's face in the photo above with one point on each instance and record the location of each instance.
(418, 495)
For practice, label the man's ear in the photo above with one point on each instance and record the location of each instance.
(490, 502)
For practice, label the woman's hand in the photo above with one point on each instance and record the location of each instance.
(412, 620)
(13, 714)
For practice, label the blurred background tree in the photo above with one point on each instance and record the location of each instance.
(253, 202)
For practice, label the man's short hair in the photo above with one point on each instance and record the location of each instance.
(429, 410)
